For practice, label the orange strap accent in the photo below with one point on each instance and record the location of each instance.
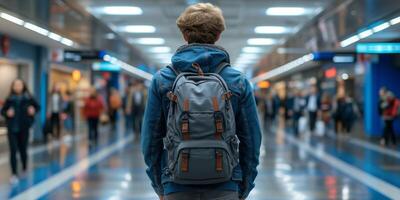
(185, 162)
(185, 120)
(218, 161)
(186, 105)
(198, 69)
(215, 104)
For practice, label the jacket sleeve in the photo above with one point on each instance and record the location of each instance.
(5, 108)
(153, 130)
(249, 133)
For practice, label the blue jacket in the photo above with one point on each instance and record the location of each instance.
(244, 106)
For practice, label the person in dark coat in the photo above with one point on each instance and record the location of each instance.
(313, 107)
(269, 112)
(19, 110)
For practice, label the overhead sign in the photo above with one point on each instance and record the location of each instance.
(378, 48)
(76, 56)
(105, 66)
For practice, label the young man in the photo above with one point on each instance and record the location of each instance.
(201, 26)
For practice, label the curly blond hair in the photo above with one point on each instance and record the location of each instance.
(201, 23)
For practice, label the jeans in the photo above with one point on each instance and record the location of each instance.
(18, 142)
(204, 195)
(388, 132)
(312, 120)
(55, 124)
(93, 129)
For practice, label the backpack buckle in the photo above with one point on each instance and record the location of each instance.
(172, 97)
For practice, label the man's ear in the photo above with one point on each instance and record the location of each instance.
(218, 37)
(185, 37)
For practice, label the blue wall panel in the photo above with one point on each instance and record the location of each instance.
(378, 74)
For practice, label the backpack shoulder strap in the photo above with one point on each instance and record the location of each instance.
(221, 67)
(173, 69)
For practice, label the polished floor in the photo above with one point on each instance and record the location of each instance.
(291, 168)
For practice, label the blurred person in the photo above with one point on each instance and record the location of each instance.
(299, 104)
(137, 104)
(382, 99)
(289, 103)
(92, 110)
(115, 104)
(68, 114)
(269, 112)
(201, 26)
(127, 108)
(19, 111)
(390, 107)
(326, 109)
(54, 110)
(345, 113)
(313, 107)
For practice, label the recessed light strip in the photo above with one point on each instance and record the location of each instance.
(37, 29)
(127, 67)
(284, 68)
(368, 32)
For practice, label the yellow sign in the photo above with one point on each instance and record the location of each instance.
(76, 75)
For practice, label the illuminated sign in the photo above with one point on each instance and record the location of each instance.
(378, 48)
(105, 66)
(264, 84)
(331, 73)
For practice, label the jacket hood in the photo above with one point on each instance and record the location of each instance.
(208, 56)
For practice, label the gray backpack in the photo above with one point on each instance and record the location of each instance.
(201, 137)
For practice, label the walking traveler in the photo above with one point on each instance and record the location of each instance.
(198, 109)
(54, 110)
(92, 110)
(115, 104)
(299, 104)
(390, 107)
(19, 110)
(269, 112)
(313, 106)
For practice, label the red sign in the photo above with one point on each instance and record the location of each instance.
(331, 73)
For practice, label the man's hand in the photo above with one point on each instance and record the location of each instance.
(161, 197)
(31, 111)
(10, 113)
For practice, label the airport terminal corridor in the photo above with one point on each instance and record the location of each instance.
(200, 100)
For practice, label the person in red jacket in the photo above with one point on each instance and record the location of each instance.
(390, 107)
(92, 110)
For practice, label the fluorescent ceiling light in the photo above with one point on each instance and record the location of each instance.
(271, 29)
(160, 50)
(261, 41)
(252, 50)
(286, 11)
(349, 41)
(365, 33)
(148, 41)
(284, 68)
(12, 19)
(381, 27)
(395, 21)
(54, 36)
(67, 42)
(138, 29)
(122, 10)
(35, 28)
